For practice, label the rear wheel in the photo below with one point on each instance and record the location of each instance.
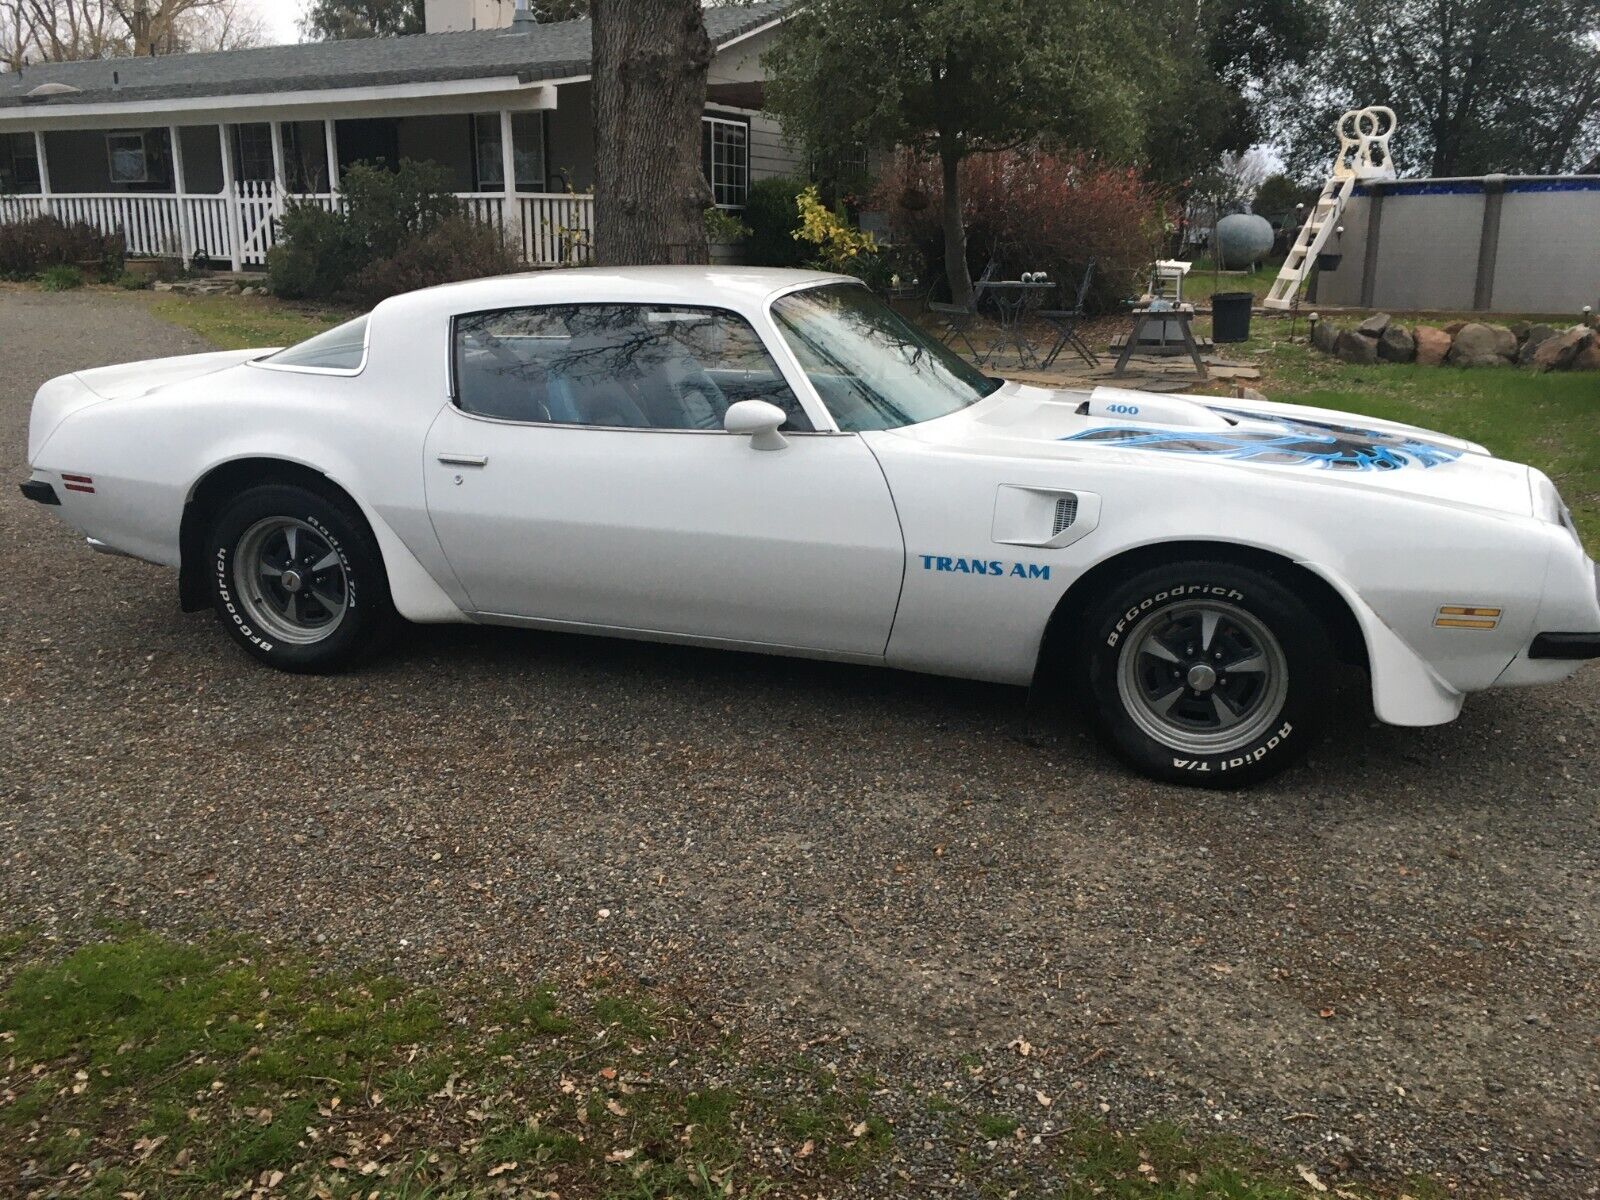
(1206, 674)
(297, 579)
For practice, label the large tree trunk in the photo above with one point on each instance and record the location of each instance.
(955, 233)
(650, 60)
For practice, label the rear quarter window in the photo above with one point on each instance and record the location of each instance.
(342, 348)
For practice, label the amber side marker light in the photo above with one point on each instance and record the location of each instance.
(1459, 616)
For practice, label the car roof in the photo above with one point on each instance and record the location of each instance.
(733, 287)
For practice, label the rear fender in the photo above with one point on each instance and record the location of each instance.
(416, 595)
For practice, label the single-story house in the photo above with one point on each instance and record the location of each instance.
(196, 153)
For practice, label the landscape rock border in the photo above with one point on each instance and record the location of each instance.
(1380, 338)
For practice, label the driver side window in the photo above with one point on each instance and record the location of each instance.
(615, 366)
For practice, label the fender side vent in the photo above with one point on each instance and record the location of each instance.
(1066, 514)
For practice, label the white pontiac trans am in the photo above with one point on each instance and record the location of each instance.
(773, 460)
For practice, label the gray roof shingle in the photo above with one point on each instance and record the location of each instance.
(544, 51)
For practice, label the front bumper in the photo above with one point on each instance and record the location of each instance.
(1565, 645)
(1555, 654)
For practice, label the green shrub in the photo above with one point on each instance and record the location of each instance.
(384, 209)
(317, 255)
(454, 249)
(130, 281)
(60, 278)
(723, 226)
(30, 247)
(385, 215)
(772, 212)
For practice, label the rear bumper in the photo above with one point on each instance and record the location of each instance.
(40, 491)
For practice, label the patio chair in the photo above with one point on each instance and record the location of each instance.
(1065, 321)
(956, 319)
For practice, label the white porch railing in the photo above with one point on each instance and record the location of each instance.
(544, 228)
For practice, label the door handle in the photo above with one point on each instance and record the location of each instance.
(464, 460)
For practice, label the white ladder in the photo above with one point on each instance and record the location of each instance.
(1321, 222)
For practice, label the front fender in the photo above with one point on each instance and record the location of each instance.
(1406, 690)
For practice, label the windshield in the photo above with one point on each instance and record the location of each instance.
(339, 349)
(872, 368)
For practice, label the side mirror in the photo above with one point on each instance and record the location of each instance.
(759, 420)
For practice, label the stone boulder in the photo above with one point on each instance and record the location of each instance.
(1556, 353)
(1587, 359)
(1374, 325)
(1479, 345)
(1354, 347)
(1325, 336)
(1396, 345)
(1536, 337)
(1433, 345)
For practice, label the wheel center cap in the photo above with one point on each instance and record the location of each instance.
(1202, 678)
(291, 582)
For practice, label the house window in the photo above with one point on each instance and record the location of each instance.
(527, 146)
(129, 158)
(19, 164)
(725, 159)
(252, 157)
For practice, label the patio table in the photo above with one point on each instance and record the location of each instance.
(1015, 300)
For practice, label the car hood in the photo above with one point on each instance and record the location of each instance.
(1291, 441)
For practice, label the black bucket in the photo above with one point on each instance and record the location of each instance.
(1230, 316)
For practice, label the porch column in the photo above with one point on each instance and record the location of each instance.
(511, 218)
(331, 136)
(280, 186)
(230, 192)
(44, 171)
(180, 185)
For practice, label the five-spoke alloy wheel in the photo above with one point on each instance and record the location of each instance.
(290, 580)
(1203, 676)
(297, 578)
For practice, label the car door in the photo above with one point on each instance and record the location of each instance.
(582, 475)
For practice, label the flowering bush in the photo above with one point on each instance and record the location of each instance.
(1033, 211)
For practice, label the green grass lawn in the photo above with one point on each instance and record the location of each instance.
(1200, 284)
(243, 322)
(150, 1067)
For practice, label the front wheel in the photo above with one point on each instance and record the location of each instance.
(297, 579)
(1206, 674)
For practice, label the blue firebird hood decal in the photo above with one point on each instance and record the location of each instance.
(1307, 443)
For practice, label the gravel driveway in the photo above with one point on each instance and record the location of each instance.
(1387, 961)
